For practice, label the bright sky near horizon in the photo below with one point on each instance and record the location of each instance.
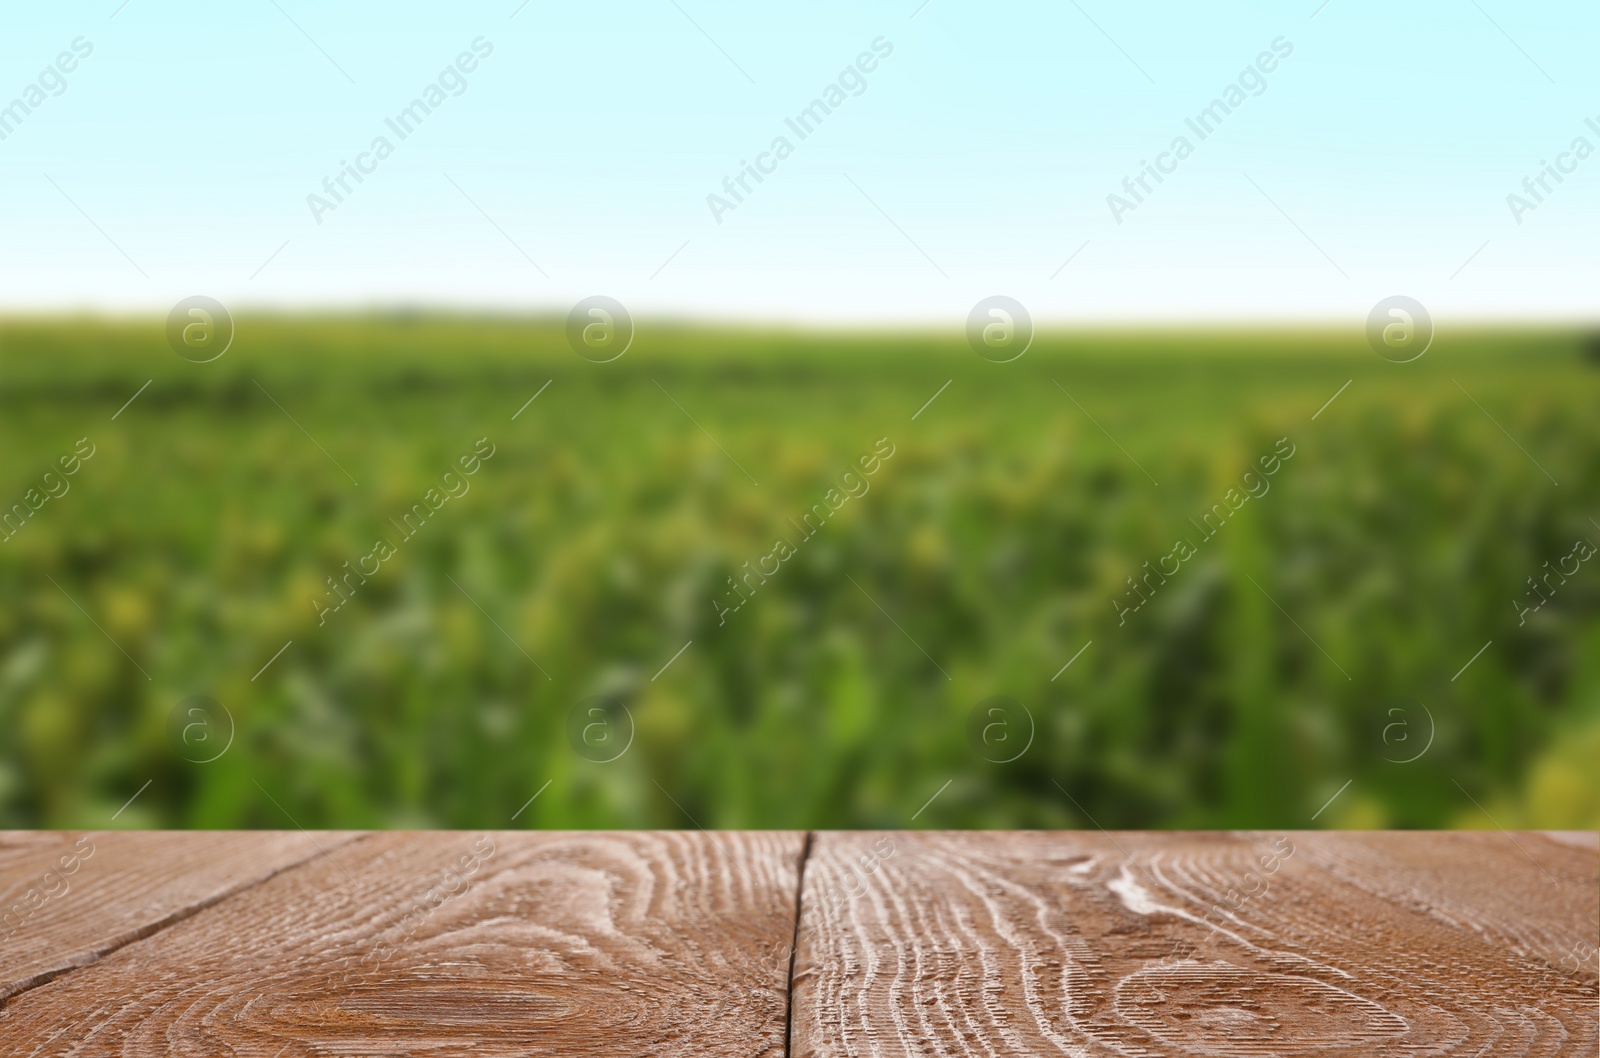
(161, 149)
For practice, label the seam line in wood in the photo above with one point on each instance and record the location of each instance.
(149, 930)
(794, 943)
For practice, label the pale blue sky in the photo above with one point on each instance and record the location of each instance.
(978, 159)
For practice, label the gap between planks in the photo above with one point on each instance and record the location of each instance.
(151, 929)
(1090, 877)
(794, 942)
(159, 926)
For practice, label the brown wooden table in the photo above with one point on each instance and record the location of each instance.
(293, 945)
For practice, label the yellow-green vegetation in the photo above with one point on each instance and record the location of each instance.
(608, 529)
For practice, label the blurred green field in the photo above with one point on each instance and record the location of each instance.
(987, 551)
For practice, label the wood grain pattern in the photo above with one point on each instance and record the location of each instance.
(1297, 944)
(451, 944)
(66, 899)
(1251, 945)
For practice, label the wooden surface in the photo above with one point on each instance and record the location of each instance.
(69, 899)
(453, 945)
(1297, 944)
(766, 944)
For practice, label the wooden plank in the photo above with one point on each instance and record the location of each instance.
(452, 944)
(67, 899)
(1294, 944)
